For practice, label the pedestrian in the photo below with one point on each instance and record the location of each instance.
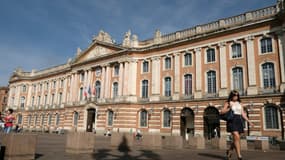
(235, 125)
(9, 118)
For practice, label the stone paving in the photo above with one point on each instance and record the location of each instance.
(52, 147)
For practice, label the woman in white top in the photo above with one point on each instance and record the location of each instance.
(235, 126)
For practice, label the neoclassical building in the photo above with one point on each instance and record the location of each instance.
(173, 84)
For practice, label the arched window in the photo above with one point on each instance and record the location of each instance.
(143, 118)
(236, 50)
(188, 59)
(145, 66)
(43, 120)
(271, 117)
(57, 119)
(167, 87)
(266, 45)
(167, 63)
(24, 89)
(23, 99)
(211, 76)
(81, 94)
(211, 55)
(145, 89)
(59, 98)
(75, 118)
(115, 89)
(166, 118)
(116, 70)
(49, 119)
(20, 118)
(110, 118)
(188, 84)
(238, 79)
(36, 119)
(268, 75)
(29, 119)
(97, 89)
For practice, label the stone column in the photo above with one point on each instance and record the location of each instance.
(64, 93)
(71, 87)
(103, 81)
(155, 90)
(281, 49)
(176, 76)
(121, 70)
(132, 87)
(126, 79)
(29, 96)
(223, 70)
(107, 83)
(75, 88)
(252, 89)
(198, 56)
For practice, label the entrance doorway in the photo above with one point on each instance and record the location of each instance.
(187, 123)
(211, 123)
(90, 119)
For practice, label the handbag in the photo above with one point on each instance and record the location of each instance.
(229, 115)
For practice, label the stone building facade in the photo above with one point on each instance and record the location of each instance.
(3, 98)
(172, 84)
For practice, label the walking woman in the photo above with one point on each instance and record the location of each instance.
(9, 121)
(235, 126)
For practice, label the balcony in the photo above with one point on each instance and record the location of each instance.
(211, 95)
(271, 90)
(187, 96)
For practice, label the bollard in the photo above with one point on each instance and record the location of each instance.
(80, 142)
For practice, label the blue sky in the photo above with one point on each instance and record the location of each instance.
(37, 34)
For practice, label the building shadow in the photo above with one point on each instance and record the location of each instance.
(107, 154)
(213, 156)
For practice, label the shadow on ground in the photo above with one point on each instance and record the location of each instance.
(214, 156)
(104, 154)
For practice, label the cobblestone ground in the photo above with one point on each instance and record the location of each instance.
(52, 147)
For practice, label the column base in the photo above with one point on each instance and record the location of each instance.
(282, 88)
(252, 91)
(223, 92)
(198, 94)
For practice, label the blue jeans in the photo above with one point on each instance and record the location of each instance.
(7, 129)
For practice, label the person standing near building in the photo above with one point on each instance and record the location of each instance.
(235, 126)
(9, 118)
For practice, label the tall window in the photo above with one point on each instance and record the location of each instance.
(211, 76)
(81, 94)
(266, 45)
(115, 89)
(145, 89)
(271, 117)
(39, 100)
(236, 50)
(47, 86)
(75, 118)
(116, 70)
(238, 78)
(145, 66)
(59, 98)
(143, 118)
(82, 77)
(62, 83)
(36, 119)
(52, 99)
(49, 119)
(41, 87)
(188, 84)
(110, 118)
(54, 84)
(211, 55)
(97, 89)
(24, 89)
(33, 101)
(23, 102)
(46, 99)
(166, 118)
(188, 59)
(29, 119)
(35, 88)
(268, 75)
(43, 119)
(20, 119)
(167, 82)
(56, 119)
(167, 63)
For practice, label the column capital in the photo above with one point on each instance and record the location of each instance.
(157, 58)
(249, 38)
(222, 44)
(177, 54)
(197, 49)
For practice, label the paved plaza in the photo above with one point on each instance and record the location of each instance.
(51, 146)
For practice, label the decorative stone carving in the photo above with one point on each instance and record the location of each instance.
(127, 39)
(157, 37)
(135, 41)
(103, 37)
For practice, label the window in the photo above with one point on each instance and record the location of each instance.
(145, 89)
(47, 86)
(52, 99)
(54, 84)
(167, 90)
(145, 66)
(167, 63)
(59, 98)
(211, 55)
(41, 87)
(29, 120)
(23, 102)
(97, 89)
(56, 119)
(36, 120)
(20, 119)
(24, 89)
(166, 118)
(116, 70)
(45, 99)
(62, 83)
(268, 75)
(266, 45)
(33, 101)
(39, 100)
(115, 89)
(75, 118)
(238, 78)
(236, 50)
(188, 84)
(82, 77)
(211, 76)
(188, 59)
(143, 118)
(110, 118)
(43, 120)
(271, 117)
(49, 119)
(35, 88)
(81, 94)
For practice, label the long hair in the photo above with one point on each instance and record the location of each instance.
(232, 94)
